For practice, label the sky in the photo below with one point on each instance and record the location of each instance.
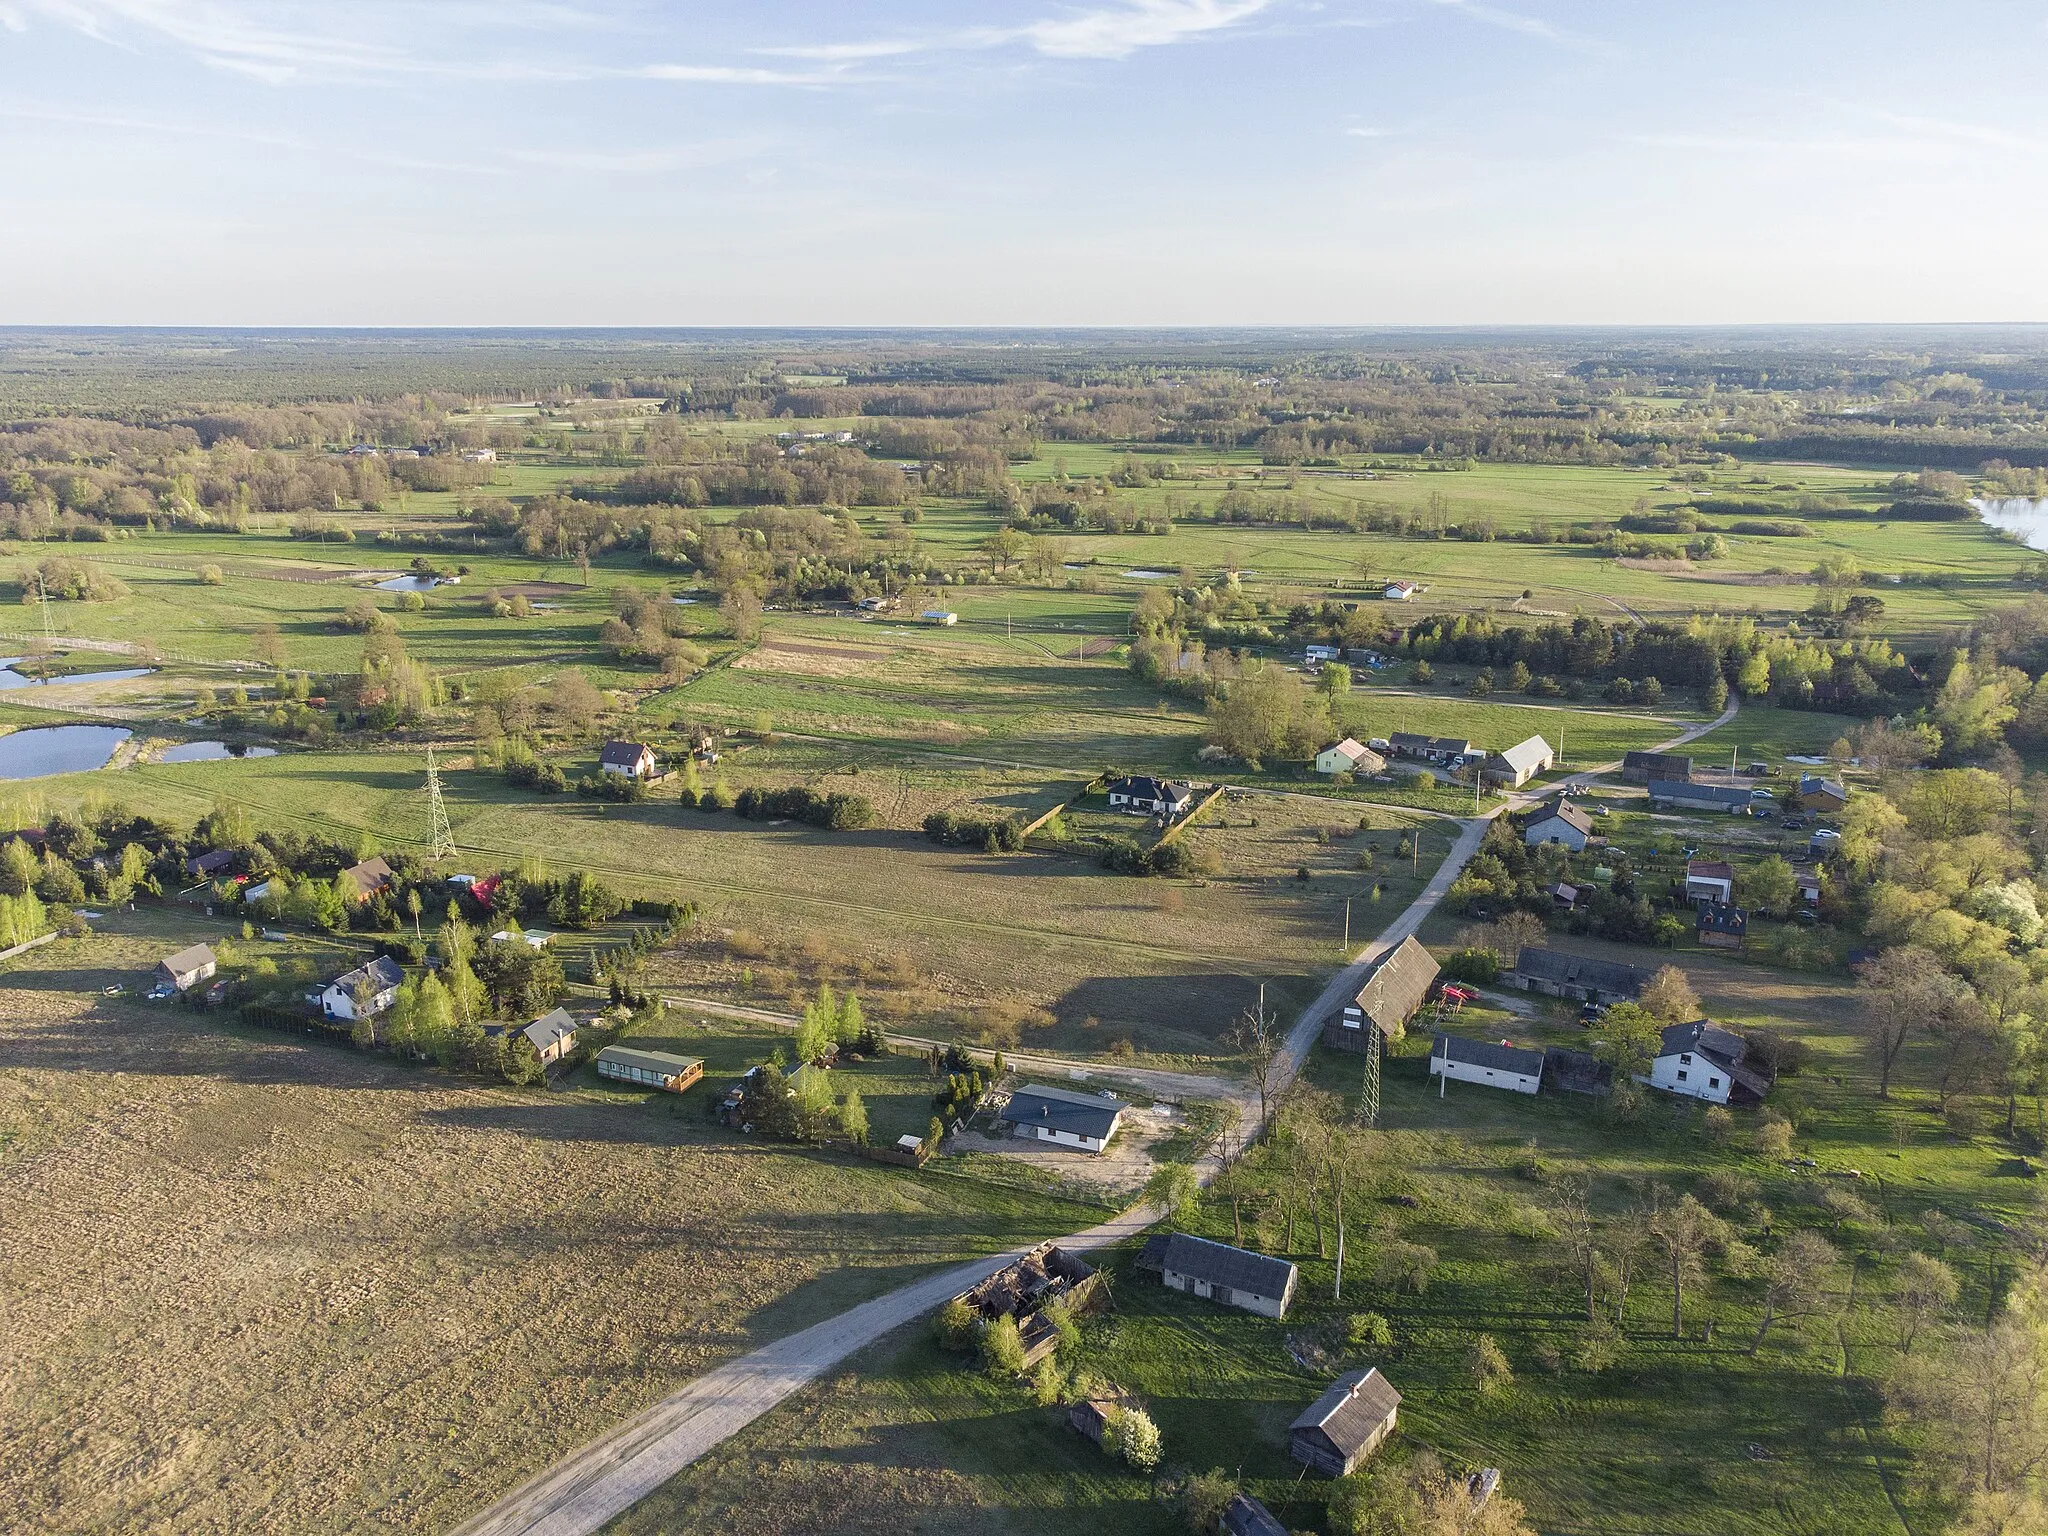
(1021, 162)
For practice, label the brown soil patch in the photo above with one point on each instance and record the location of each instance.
(808, 660)
(1088, 650)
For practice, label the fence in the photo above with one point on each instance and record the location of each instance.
(1174, 831)
(28, 944)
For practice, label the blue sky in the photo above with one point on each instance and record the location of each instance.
(1102, 162)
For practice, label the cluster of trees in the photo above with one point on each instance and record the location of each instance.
(63, 579)
(648, 629)
(836, 811)
(830, 1022)
(991, 834)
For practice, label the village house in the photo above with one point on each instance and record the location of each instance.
(1445, 751)
(366, 879)
(1819, 793)
(1676, 795)
(1246, 1516)
(187, 968)
(1564, 894)
(1718, 926)
(1142, 795)
(942, 617)
(626, 760)
(1642, 767)
(552, 1035)
(1234, 1277)
(1484, 1062)
(1346, 1424)
(204, 866)
(1349, 757)
(1703, 1061)
(1577, 977)
(1517, 765)
(1563, 825)
(1399, 591)
(1709, 880)
(364, 992)
(1394, 987)
(647, 1069)
(1085, 1121)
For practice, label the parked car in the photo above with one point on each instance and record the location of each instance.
(1794, 822)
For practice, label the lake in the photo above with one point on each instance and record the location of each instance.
(47, 749)
(409, 584)
(9, 678)
(2026, 516)
(210, 752)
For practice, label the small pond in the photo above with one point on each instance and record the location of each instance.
(210, 752)
(1144, 575)
(9, 678)
(48, 749)
(409, 584)
(2026, 516)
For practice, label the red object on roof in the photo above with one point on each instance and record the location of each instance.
(484, 888)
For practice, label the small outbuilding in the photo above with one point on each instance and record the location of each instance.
(626, 760)
(204, 866)
(1246, 1516)
(1517, 765)
(945, 618)
(1395, 986)
(552, 1035)
(187, 968)
(1399, 591)
(366, 879)
(1561, 825)
(1346, 1424)
(648, 1069)
(1484, 1062)
(1236, 1277)
(1084, 1121)
(1642, 767)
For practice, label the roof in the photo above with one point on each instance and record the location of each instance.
(1821, 784)
(1396, 984)
(1554, 965)
(1527, 756)
(550, 1028)
(1565, 812)
(1576, 1071)
(207, 863)
(1658, 764)
(1412, 742)
(1678, 789)
(623, 754)
(1724, 1048)
(1719, 917)
(1153, 1255)
(192, 959)
(1079, 1114)
(1351, 749)
(1486, 1053)
(1145, 787)
(1352, 1410)
(1709, 869)
(380, 975)
(1246, 1516)
(647, 1061)
(1221, 1264)
(370, 876)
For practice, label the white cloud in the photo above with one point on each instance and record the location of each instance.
(1528, 26)
(1366, 133)
(1106, 32)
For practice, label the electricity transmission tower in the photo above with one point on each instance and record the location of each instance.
(1369, 1094)
(437, 811)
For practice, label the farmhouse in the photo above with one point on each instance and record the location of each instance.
(1563, 825)
(1394, 988)
(1709, 880)
(1232, 1276)
(188, 967)
(1349, 757)
(1399, 591)
(1517, 765)
(1482, 1061)
(1819, 793)
(1346, 1424)
(367, 878)
(552, 1035)
(626, 760)
(942, 617)
(1718, 926)
(647, 1069)
(363, 992)
(1642, 767)
(1676, 795)
(1142, 795)
(204, 866)
(1557, 974)
(1703, 1061)
(1446, 750)
(1083, 1120)
(1246, 1516)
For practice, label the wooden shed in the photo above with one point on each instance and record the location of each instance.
(1346, 1424)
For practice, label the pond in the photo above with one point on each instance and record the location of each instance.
(47, 749)
(9, 678)
(409, 584)
(210, 752)
(1144, 575)
(2026, 516)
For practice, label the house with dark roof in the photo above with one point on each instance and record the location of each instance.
(187, 968)
(1817, 792)
(1485, 1062)
(1394, 987)
(1081, 1120)
(1143, 795)
(368, 878)
(1517, 765)
(1562, 824)
(363, 992)
(1704, 1061)
(1719, 926)
(1577, 977)
(552, 1035)
(1246, 1516)
(646, 1069)
(1448, 751)
(1236, 1277)
(1346, 1424)
(1641, 767)
(1678, 795)
(626, 759)
(204, 866)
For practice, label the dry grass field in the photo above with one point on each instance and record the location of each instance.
(250, 1283)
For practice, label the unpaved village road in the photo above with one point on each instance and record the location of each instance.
(579, 1494)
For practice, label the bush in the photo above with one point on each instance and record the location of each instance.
(990, 834)
(1131, 1436)
(1203, 1498)
(1596, 1348)
(1488, 1366)
(1369, 1330)
(1480, 967)
(956, 1326)
(1002, 1348)
(1773, 1135)
(209, 575)
(531, 773)
(834, 812)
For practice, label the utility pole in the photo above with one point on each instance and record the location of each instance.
(1347, 925)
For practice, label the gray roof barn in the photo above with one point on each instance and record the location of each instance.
(1082, 1114)
(1579, 975)
(1246, 1516)
(1641, 767)
(1221, 1264)
(1487, 1053)
(1339, 1428)
(1396, 985)
(1711, 796)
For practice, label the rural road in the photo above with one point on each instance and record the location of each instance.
(588, 1488)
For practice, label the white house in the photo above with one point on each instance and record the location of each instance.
(1232, 1276)
(1142, 795)
(378, 983)
(1703, 1061)
(1562, 824)
(1709, 880)
(1483, 1062)
(1322, 653)
(1349, 757)
(1085, 1121)
(627, 759)
(1400, 591)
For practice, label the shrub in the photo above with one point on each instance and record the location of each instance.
(1369, 1330)
(1488, 1366)
(1773, 1135)
(1596, 1348)
(209, 575)
(1131, 1436)
(1002, 1348)
(835, 812)
(1718, 1123)
(956, 1325)
(1481, 967)
(1203, 1498)
(991, 834)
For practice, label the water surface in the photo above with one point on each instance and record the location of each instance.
(46, 749)
(2026, 516)
(211, 752)
(9, 678)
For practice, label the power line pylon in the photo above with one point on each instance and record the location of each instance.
(437, 811)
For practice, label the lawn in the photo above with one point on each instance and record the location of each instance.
(255, 1282)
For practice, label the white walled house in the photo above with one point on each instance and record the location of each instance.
(378, 983)
(1083, 1121)
(1485, 1063)
(1703, 1061)
(626, 760)
(1563, 824)
(1709, 880)
(1347, 756)
(1234, 1277)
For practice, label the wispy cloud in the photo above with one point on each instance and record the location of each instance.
(1529, 26)
(1367, 133)
(1104, 32)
